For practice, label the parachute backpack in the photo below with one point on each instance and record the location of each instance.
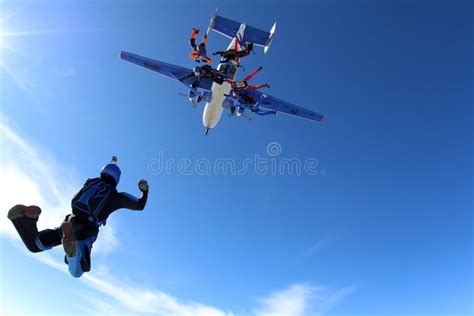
(95, 194)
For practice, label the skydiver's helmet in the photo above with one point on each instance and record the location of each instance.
(197, 71)
(110, 173)
(207, 69)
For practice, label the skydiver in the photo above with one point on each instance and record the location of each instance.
(199, 51)
(243, 84)
(204, 72)
(263, 112)
(91, 207)
(251, 104)
(234, 54)
(242, 98)
(214, 74)
(208, 72)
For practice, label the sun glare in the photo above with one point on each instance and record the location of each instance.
(5, 67)
(2, 38)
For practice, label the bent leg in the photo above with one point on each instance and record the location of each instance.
(26, 228)
(192, 40)
(80, 262)
(204, 40)
(24, 218)
(48, 238)
(260, 86)
(253, 73)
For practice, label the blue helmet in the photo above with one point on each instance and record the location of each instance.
(197, 71)
(112, 170)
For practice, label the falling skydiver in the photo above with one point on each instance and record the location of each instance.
(243, 84)
(91, 207)
(199, 52)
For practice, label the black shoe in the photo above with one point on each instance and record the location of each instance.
(32, 212)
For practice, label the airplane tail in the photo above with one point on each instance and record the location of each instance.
(230, 29)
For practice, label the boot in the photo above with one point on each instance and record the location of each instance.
(24, 218)
(32, 212)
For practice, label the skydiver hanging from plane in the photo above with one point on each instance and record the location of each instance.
(199, 73)
(234, 54)
(238, 86)
(199, 52)
(243, 84)
(91, 207)
(205, 72)
(245, 99)
(249, 102)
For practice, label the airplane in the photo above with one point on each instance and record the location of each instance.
(214, 86)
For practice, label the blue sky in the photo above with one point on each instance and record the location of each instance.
(384, 228)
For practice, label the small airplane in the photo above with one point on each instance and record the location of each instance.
(215, 86)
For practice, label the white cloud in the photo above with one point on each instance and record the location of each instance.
(26, 179)
(27, 176)
(131, 299)
(108, 240)
(118, 297)
(30, 176)
(290, 302)
(301, 299)
(149, 301)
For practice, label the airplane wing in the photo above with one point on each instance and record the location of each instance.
(179, 73)
(267, 101)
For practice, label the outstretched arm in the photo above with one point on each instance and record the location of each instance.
(129, 201)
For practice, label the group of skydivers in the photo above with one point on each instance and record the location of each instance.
(98, 197)
(232, 55)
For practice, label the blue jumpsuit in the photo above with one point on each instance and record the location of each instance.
(86, 232)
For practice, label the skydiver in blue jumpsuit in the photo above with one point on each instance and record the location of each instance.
(78, 233)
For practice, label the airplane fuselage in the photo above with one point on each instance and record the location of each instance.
(213, 109)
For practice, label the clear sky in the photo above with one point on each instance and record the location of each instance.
(383, 228)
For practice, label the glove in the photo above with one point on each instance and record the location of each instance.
(143, 185)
